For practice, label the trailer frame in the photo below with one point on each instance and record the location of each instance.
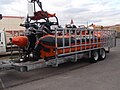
(106, 41)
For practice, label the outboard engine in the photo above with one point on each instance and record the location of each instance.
(35, 29)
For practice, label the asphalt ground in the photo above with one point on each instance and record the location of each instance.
(103, 75)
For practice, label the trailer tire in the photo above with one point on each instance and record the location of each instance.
(94, 56)
(102, 54)
(21, 69)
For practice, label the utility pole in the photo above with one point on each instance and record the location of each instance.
(87, 24)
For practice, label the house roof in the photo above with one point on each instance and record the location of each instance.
(13, 17)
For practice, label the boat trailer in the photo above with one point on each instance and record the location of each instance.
(106, 41)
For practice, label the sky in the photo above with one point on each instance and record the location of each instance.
(99, 12)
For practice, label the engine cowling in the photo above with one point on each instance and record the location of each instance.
(21, 41)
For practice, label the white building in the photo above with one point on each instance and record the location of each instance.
(11, 26)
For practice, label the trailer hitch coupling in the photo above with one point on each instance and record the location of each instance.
(6, 65)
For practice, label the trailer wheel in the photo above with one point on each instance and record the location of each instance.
(21, 69)
(94, 56)
(102, 55)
